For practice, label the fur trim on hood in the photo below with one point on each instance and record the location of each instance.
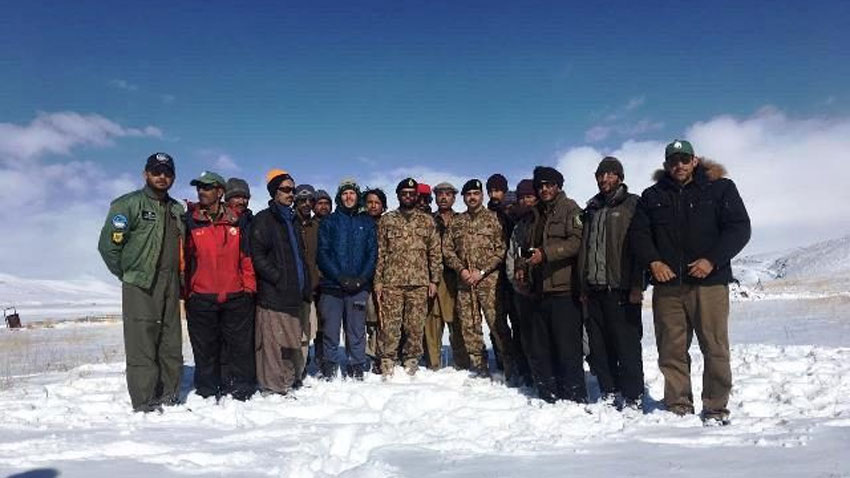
(713, 170)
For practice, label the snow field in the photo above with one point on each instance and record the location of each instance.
(783, 395)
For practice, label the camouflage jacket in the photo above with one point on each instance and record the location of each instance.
(475, 241)
(408, 250)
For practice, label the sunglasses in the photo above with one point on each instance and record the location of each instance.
(286, 189)
(408, 193)
(677, 159)
(161, 171)
(546, 185)
(206, 187)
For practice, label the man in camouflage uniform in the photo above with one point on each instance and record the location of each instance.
(475, 248)
(408, 272)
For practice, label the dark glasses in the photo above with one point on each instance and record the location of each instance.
(161, 170)
(206, 187)
(407, 193)
(677, 159)
(286, 189)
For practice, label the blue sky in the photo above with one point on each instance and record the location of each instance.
(333, 89)
(435, 83)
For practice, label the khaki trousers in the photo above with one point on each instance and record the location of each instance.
(679, 311)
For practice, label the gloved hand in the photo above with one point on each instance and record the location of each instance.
(350, 284)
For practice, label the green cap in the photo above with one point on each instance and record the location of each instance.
(678, 146)
(208, 177)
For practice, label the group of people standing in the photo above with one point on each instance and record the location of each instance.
(535, 265)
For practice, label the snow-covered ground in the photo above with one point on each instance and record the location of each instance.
(791, 410)
(39, 300)
(64, 409)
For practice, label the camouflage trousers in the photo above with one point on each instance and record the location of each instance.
(470, 304)
(403, 311)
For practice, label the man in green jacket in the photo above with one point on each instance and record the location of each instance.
(141, 243)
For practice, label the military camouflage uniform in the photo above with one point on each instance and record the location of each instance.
(475, 242)
(409, 259)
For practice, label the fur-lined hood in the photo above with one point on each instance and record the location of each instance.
(712, 170)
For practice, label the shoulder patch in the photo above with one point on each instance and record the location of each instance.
(118, 237)
(120, 222)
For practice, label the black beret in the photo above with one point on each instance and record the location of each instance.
(471, 185)
(407, 183)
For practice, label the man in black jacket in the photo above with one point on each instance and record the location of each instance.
(688, 227)
(283, 285)
(611, 287)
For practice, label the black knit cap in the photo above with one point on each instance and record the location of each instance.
(610, 164)
(471, 185)
(407, 183)
(497, 182)
(549, 175)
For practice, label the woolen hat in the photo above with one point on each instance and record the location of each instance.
(610, 164)
(497, 182)
(549, 175)
(236, 187)
(525, 188)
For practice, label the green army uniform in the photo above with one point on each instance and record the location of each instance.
(141, 244)
(475, 242)
(409, 259)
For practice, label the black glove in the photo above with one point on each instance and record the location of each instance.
(349, 284)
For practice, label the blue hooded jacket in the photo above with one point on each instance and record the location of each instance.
(348, 246)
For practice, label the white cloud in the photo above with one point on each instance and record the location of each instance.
(59, 205)
(597, 133)
(123, 85)
(635, 103)
(226, 163)
(779, 164)
(59, 132)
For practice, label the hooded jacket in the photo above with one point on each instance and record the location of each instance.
(348, 246)
(677, 225)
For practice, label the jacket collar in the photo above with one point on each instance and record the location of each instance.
(600, 200)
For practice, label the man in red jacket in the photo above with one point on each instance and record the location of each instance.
(220, 285)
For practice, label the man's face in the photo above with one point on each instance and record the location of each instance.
(547, 191)
(472, 199)
(496, 195)
(607, 182)
(445, 199)
(374, 206)
(425, 202)
(238, 203)
(528, 200)
(304, 206)
(407, 198)
(681, 167)
(159, 178)
(285, 194)
(209, 194)
(322, 207)
(348, 198)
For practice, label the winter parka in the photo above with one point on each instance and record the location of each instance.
(678, 224)
(348, 247)
(560, 241)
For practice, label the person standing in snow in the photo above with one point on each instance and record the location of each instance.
(304, 196)
(375, 203)
(442, 310)
(283, 286)
(688, 227)
(555, 325)
(612, 287)
(220, 285)
(141, 244)
(346, 256)
(407, 274)
(475, 248)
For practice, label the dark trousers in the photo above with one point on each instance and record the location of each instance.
(555, 332)
(222, 336)
(340, 310)
(153, 340)
(614, 329)
(520, 326)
